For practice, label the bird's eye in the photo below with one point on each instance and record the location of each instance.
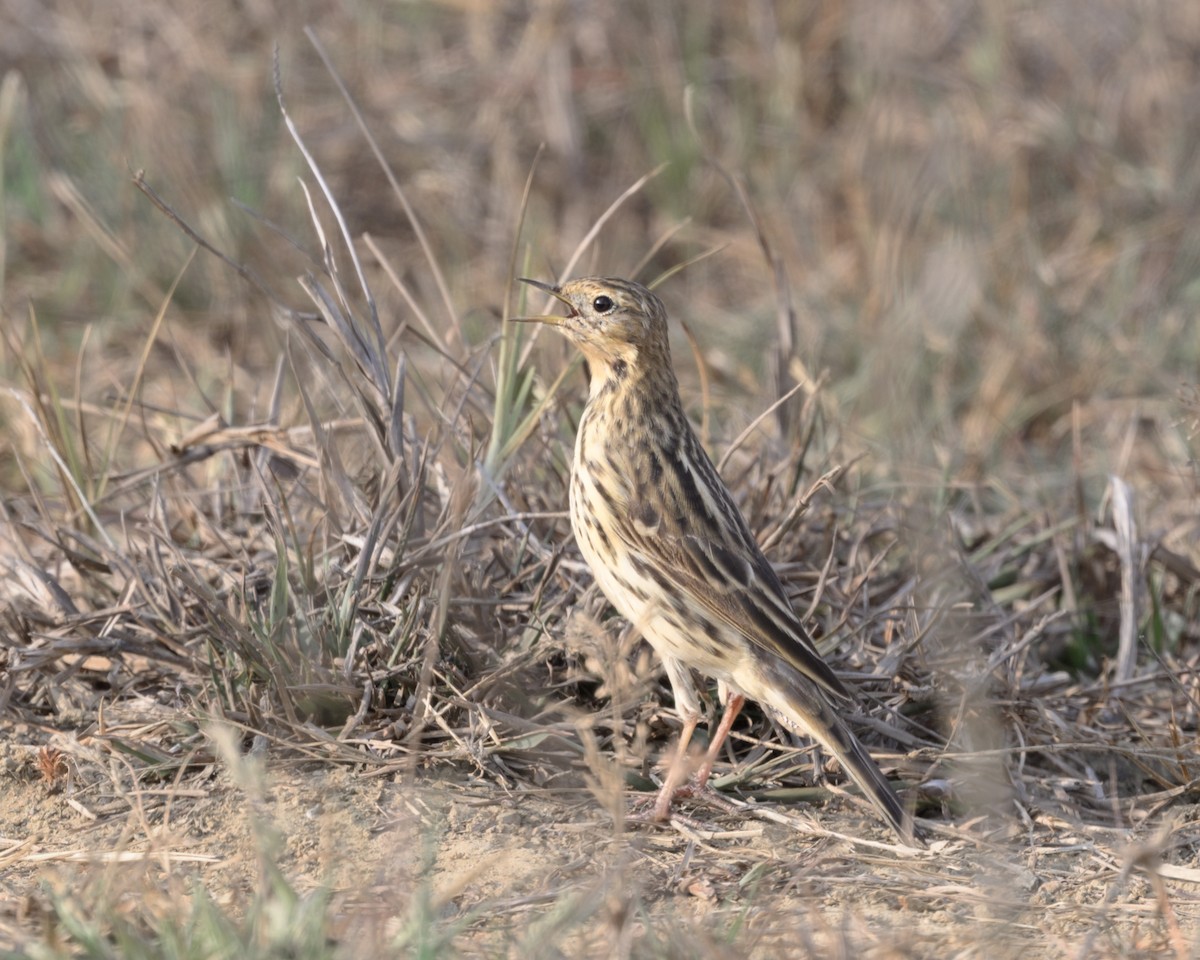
(602, 304)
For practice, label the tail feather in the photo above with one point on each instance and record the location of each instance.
(804, 708)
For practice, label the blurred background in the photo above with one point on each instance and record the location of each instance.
(986, 216)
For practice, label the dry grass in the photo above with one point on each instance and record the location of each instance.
(248, 519)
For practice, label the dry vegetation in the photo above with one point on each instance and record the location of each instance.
(297, 656)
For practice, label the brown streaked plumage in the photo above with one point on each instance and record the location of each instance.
(671, 550)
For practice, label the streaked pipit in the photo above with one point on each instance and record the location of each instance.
(673, 553)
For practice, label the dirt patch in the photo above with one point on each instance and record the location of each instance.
(495, 869)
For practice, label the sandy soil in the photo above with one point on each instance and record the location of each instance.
(518, 869)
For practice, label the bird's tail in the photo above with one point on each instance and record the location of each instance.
(806, 709)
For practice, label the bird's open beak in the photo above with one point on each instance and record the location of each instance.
(553, 320)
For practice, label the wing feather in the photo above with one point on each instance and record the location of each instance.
(695, 536)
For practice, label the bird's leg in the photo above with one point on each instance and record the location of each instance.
(676, 772)
(673, 787)
(733, 707)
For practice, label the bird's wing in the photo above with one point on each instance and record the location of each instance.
(695, 537)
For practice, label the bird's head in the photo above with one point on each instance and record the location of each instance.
(616, 323)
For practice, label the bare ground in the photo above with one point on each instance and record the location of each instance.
(518, 869)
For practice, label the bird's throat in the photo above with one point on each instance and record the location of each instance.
(626, 402)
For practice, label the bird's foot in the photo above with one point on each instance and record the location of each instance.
(659, 811)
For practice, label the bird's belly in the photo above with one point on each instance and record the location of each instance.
(662, 614)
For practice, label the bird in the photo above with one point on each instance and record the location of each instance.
(673, 554)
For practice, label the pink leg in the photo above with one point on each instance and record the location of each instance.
(732, 708)
(673, 785)
(676, 772)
